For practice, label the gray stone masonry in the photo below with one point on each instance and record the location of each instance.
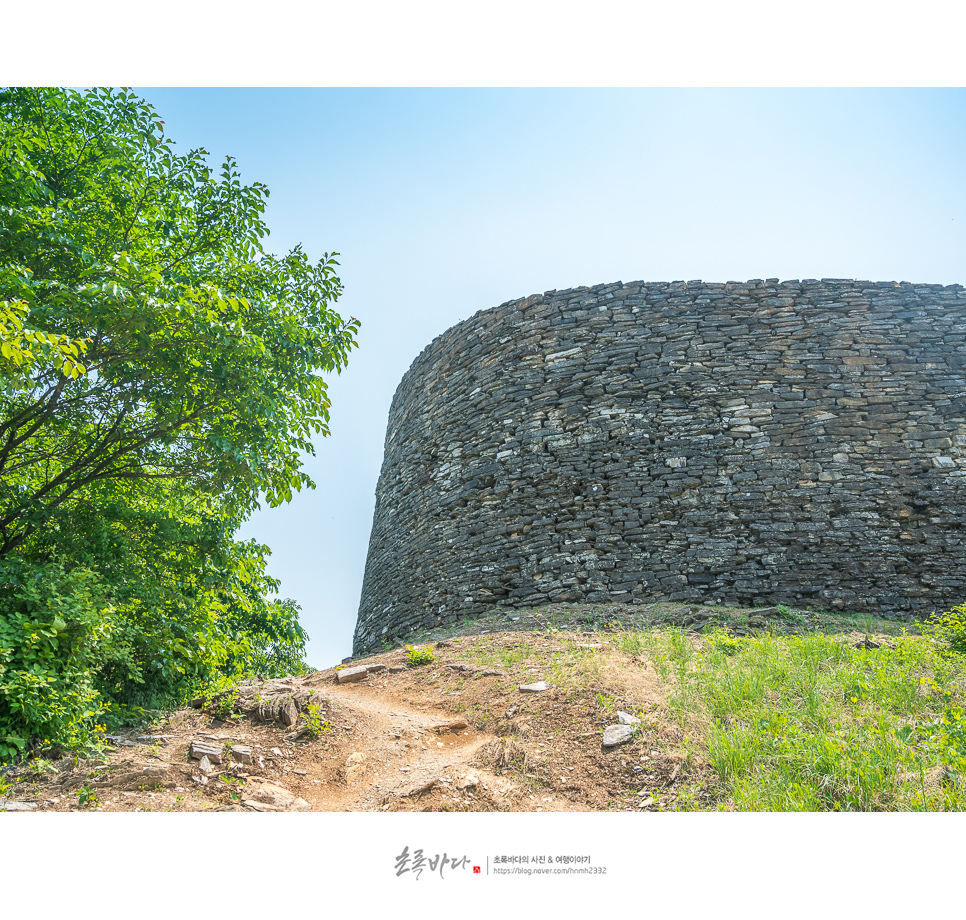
(801, 442)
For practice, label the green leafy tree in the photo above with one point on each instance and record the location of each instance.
(159, 373)
(203, 353)
(22, 348)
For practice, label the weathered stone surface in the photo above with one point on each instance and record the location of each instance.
(538, 687)
(799, 443)
(457, 725)
(213, 750)
(241, 753)
(205, 766)
(7, 805)
(138, 776)
(420, 787)
(354, 766)
(625, 718)
(349, 675)
(617, 734)
(288, 713)
(469, 781)
(269, 797)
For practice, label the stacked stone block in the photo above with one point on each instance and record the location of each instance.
(801, 442)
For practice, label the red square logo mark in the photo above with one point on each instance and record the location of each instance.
(476, 870)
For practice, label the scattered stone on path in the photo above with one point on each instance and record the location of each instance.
(398, 669)
(460, 667)
(349, 675)
(354, 765)
(489, 672)
(538, 687)
(376, 668)
(457, 725)
(625, 718)
(205, 766)
(420, 788)
(269, 797)
(210, 749)
(469, 781)
(288, 713)
(6, 805)
(120, 741)
(241, 753)
(617, 734)
(138, 776)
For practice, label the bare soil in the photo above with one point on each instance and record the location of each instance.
(454, 734)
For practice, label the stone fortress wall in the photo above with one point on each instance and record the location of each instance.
(801, 442)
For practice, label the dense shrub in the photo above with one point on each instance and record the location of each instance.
(950, 628)
(56, 632)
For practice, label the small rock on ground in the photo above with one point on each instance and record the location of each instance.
(457, 725)
(212, 750)
(470, 781)
(538, 687)
(617, 734)
(269, 797)
(288, 714)
(349, 675)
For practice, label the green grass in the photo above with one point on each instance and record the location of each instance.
(416, 656)
(567, 665)
(808, 723)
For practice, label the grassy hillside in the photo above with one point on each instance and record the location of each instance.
(772, 709)
(720, 709)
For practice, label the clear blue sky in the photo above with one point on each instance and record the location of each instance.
(444, 202)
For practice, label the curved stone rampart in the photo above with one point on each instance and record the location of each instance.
(758, 442)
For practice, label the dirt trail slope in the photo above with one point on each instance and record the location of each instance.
(447, 736)
(494, 720)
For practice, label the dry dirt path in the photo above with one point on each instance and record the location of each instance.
(383, 750)
(412, 758)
